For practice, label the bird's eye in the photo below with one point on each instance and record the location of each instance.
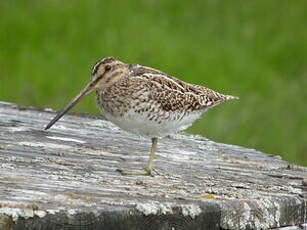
(107, 67)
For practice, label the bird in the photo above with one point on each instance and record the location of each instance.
(145, 101)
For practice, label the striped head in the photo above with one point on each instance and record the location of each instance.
(104, 73)
(107, 71)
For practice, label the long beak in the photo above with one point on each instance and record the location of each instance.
(89, 88)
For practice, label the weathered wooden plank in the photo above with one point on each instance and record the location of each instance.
(300, 227)
(66, 178)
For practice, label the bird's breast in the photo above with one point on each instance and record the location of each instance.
(146, 119)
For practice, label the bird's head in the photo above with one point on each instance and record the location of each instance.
(107, 71)
(104, 73)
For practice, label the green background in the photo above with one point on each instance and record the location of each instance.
(256, 50)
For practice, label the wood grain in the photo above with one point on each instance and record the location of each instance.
(66, 178)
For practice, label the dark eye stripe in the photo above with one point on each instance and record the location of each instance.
(96, 80)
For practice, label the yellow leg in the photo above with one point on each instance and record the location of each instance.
(152, 155)
(149, 168)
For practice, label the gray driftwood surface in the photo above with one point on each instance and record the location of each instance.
(66, 178)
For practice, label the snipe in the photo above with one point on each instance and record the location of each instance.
(145, 101)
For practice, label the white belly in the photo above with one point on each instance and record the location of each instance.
(165, 124)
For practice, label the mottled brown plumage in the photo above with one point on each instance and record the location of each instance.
(145, 101)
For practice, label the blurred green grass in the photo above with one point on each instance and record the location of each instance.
(253, 49)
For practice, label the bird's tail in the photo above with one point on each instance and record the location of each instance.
(229, 97)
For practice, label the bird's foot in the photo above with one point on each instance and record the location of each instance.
(146, 172)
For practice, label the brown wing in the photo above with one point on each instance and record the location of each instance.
(173, 94)
(138, 70)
